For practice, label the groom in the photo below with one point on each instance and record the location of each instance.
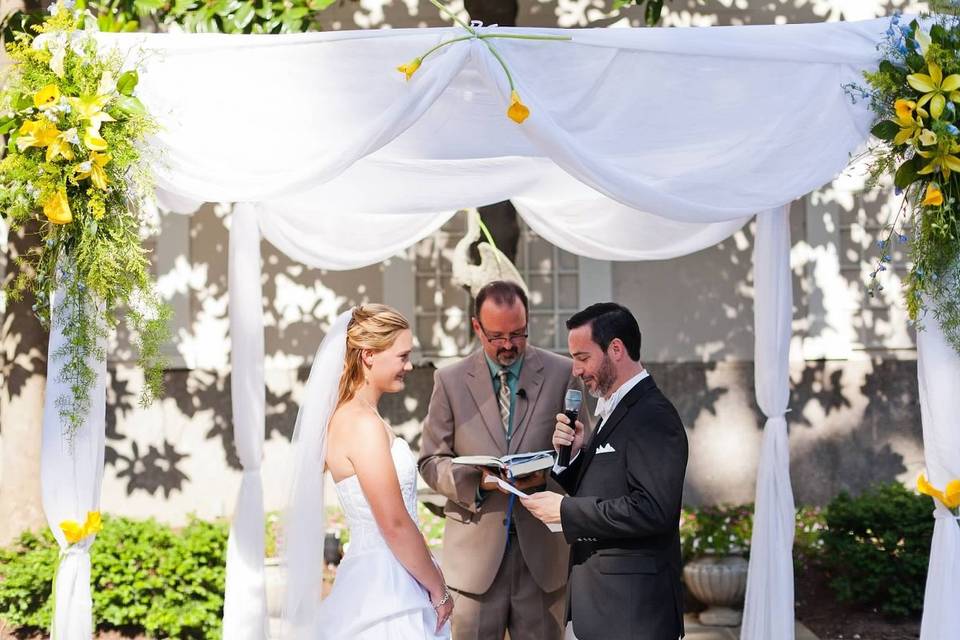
(623, 512)
(507, 570)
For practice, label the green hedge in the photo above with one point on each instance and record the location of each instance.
(144, 575)
(877, 546)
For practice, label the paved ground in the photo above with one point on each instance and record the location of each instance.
(694, 631)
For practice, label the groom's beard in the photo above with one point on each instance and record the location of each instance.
(604, 378)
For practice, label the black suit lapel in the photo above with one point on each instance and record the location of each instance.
(602, 436)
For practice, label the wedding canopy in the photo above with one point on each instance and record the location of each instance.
(641, 144)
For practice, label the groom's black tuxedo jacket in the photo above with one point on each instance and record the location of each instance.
(622, 519)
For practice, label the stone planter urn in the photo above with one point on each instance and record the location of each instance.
(719, 582)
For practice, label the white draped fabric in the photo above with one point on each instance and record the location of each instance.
(641, 144)
(71, 472)
(938, 369)
(768, 610)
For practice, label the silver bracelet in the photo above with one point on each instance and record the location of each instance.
(444, 600)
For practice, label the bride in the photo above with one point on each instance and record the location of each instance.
(387, 585)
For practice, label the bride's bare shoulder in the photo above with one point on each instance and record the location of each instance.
(353, 422)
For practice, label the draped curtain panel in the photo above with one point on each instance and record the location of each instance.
(642, 144)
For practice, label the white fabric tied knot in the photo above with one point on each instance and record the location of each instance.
(75, 550)
(940, 514)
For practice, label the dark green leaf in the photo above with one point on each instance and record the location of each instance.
(939, 35)
(906, 175)
(886, 130)
(651, 15)
(127, 82)
(916, 62)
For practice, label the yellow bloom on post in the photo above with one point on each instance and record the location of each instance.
(75, 532)
(951, 495)
(93, 141)
(934, 86)
(46, 96)
(933, 197)
(517, 111)
(941, 159)
(36, 133)
(93, 169)
(90, 109)
(410, 68)
(57, 207)
(927, 489)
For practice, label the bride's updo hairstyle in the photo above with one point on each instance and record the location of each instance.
(373, 327)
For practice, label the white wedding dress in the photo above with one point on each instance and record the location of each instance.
(373, 596)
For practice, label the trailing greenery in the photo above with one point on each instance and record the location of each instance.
(915, 93)
(877, 546)
(144, 575)
(75, 161)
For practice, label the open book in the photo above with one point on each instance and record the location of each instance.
(517, 464)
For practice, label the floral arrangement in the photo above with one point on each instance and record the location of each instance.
(715, 530)
(915, 93)
(74, 176)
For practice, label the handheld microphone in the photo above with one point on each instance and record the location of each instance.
(571, 409)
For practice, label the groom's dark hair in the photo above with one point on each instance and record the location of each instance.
(608, 321)
(504, 293)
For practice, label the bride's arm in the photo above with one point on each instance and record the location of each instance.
(373, 464)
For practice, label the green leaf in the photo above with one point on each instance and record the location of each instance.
(127, 82)
(144, 7)
(916, 62)
(886, 130)
(243, 16)
(131, 105)
(906, 175)
(651, 15)
(7, 123)
(939, 35)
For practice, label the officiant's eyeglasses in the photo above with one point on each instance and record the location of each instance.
(499, 341)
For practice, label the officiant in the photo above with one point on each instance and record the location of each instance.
(507, 571)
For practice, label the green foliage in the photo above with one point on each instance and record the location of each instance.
(75, 161)
(144, 575)
(653, 9)
(918, 126)
(876, 547)
(715, 530)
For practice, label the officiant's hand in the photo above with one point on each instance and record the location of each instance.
(565, 435)
(545, 506)
(491, 485)
(530, 481)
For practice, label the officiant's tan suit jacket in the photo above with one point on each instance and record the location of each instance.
(464, 420)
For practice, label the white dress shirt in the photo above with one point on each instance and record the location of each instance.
(606, 406)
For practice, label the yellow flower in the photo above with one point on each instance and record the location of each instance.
(927, 489)
(934, 86)
(46, 96)
(933, 197)
(904, 108)
(60, 146)
(517, 111)
(93, 141)
(57, 209)
(36, 133)
(928, 138)
(410, 68)
(75, 532)
(951, 495)
(94, 170)
(90, 108)
(98, 209)
(942, 159)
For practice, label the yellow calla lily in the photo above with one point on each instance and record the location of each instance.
(46, 96)
(927, 489)
(57, 209)
(96, 172)
(93, 141)
(36, 133)
(951, 494)
(941, 159)
(934, 86)
(60, 146)
(75, 532)
(410, 68)
(517, 111)
(90, 109)
(933, 197)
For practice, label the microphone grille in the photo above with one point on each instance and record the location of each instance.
(572, 400)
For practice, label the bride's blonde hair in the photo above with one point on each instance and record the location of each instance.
(373, 327)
